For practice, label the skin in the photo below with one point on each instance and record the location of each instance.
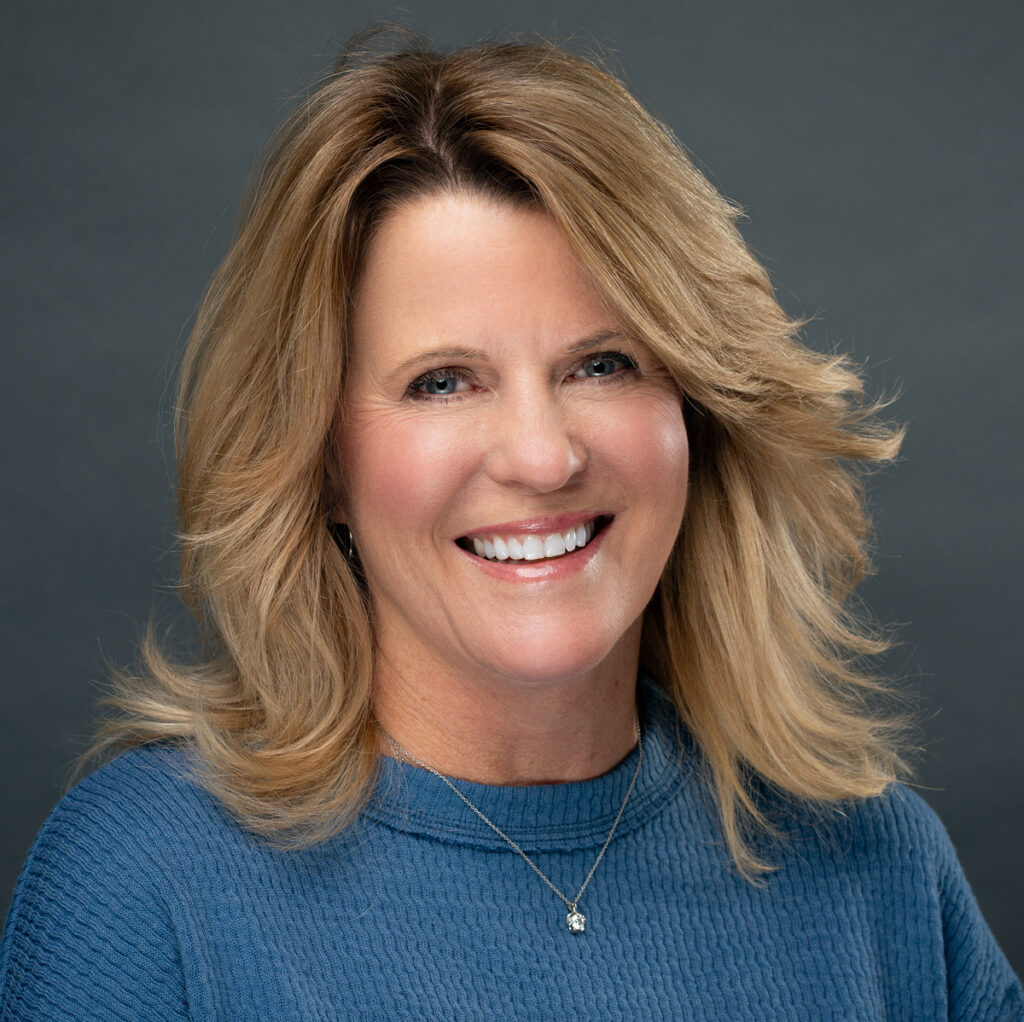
(484, 671)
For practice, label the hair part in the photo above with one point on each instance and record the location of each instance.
(750, 631)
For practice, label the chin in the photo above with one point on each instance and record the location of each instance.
(552, 661)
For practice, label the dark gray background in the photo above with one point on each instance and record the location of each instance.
(876, 147)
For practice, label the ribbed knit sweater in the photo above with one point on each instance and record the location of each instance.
(142, 899)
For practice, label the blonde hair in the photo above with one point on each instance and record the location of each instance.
(749, 631)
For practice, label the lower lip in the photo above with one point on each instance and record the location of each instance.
(540, 571)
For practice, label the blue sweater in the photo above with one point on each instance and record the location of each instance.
(141, 899)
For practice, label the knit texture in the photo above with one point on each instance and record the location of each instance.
(142, 899)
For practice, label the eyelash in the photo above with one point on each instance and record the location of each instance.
(453, 372)
(625, 362)
(435, 374)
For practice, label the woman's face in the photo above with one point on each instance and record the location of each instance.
(514, 466)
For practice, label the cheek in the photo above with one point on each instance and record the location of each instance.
(646, 441)
(400, 472)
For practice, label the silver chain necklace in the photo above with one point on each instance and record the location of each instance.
(575, 919)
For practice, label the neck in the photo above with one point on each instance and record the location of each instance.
(504, 733)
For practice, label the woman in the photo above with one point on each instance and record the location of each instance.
(519, 528)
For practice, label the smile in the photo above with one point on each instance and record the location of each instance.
(534, 546)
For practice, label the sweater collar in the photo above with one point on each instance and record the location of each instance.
(541, 817)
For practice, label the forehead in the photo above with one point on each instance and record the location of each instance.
(467, 269)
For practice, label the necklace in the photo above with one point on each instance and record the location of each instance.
(575, 919)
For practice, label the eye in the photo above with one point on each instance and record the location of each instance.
(607, 364)
(438, 383)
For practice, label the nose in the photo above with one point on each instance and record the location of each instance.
(532, 444)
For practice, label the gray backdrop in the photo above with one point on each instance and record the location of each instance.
(875, 146)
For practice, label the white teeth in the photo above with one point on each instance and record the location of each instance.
(554, 546)
(533, 547)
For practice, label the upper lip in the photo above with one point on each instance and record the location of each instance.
(544, 525)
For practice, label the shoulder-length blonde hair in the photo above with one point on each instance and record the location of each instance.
(748, 631)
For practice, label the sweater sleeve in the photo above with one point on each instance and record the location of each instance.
(980, 985)
(88, 935)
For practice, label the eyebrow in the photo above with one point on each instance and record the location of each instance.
(475, 354)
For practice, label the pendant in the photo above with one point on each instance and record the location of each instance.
(576, 921)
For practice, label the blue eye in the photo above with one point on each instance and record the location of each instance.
(439, 383)
(607, 364)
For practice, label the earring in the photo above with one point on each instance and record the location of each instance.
(343, 537)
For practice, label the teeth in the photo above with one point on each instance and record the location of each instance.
(554, 546)
(532, 547)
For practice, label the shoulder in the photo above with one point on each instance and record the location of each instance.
(141, 821)
(892, 856)
(133, 808)
(900, 831)
(900, 822)
(892, 844)
(90, 928)
(980, 983)
(897, 825)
